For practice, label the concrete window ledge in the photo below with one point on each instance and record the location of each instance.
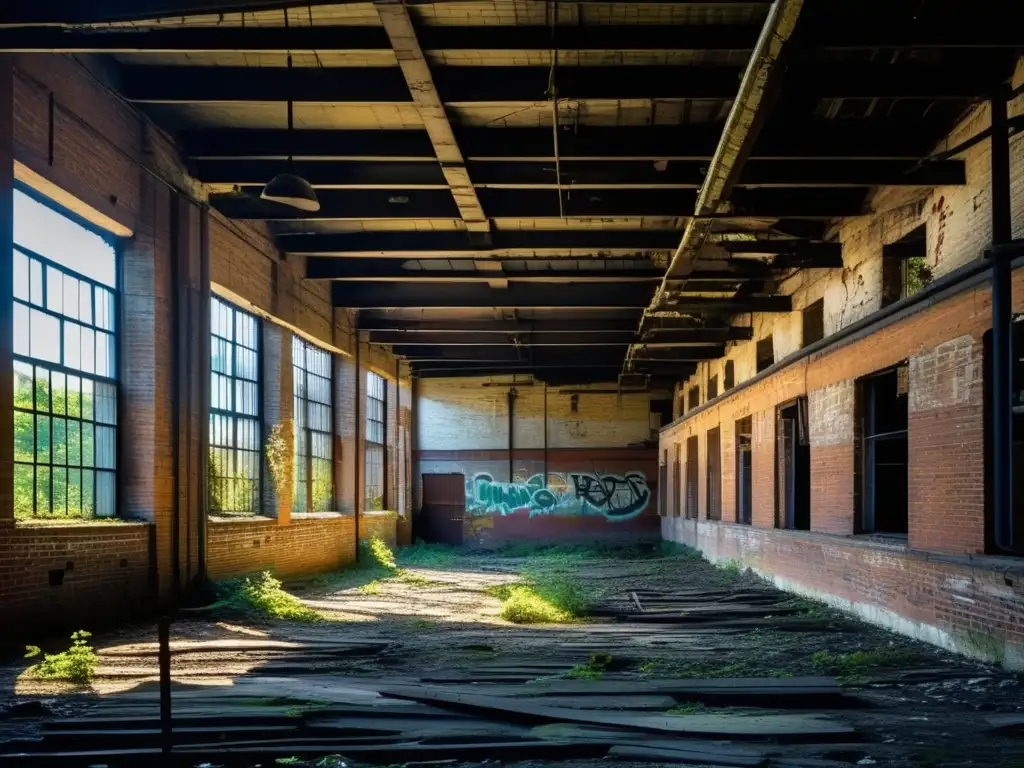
(379, 513)
(114, 523)
(250, 519)
(318, 515)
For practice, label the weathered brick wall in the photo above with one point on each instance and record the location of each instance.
(308, 544)
(100, 146)
(948, 601)
(100, 572)
(381, 525)
(568, 495)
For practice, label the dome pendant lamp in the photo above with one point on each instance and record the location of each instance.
(288, 188)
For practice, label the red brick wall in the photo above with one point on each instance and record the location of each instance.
(315, 544)
(521, 523)
(969, 607)
(106, 574)
(382, 525)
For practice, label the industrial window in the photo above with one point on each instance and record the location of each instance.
(730, 375)
(905, 268)
(744, 477)
(713, 387)
(813, 318)
(765, 354)
(234, 470)
(677, 482)
(693, 398)
(65, 380)
(882, 403)
(714, 474)
(376, 429)
(311, 400)
(692, 470)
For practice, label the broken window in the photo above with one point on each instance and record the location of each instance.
(677, 482)
(813, 318)
(793, 467)
(744, 480)
(713, 387)
(905, 268)
(693, 398)
(376, 431)
(765, 354)
(714, 474)
(692, 468)
(882, 399)
(730, 375)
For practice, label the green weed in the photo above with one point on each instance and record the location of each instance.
(75, 665)
(262, 593)
(525, 606)
(415, 580)
(371, 588)
(427, 555)
(853, 665)
(594, 669)
(733, 566)
(648, 667)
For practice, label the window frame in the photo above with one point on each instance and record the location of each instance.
(380, 445)
(234, 414)
(112, 379)
(307, 430)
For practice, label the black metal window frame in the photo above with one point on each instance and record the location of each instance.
(313, 413)
(93, 459)
(375, 487)
(236, 440)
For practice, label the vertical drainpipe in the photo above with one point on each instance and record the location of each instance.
(545, 434)
(358, 475)
(204, 386)
(1002, 330)
(511, 427)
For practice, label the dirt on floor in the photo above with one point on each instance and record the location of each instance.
(654, 616)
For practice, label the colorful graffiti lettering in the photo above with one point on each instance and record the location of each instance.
(617, 497)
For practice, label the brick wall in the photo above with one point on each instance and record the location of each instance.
(308, 544)
(381, 525)
(70, 576)
(100, 146)
(964, 606)
(569, 495)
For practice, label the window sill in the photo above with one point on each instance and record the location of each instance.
(378, 513)
(241, 519)
(316, 515)
(84, 522)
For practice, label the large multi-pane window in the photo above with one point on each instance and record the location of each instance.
(376, 408)
(234, 471)
(65, 381)
(311, 387)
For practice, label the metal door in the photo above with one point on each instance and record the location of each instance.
(444, 508)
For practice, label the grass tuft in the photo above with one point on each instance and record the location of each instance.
(594, 669)
(262, 593)
(75, 665)
(525, 606)
(428, 555)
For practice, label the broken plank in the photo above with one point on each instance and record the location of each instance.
(682, 755)
(782, 727)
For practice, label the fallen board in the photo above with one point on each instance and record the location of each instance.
(781, 727)
(682, 755)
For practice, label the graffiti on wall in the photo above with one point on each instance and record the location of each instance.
(617, 497)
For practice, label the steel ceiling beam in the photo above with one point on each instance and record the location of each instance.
(394, 16)
(515, 296)
(806, 203)
(456, 328)
(393, 270)
(588, 174)
(463, 85)
(608, 352)
(696, 337)
(821, 139)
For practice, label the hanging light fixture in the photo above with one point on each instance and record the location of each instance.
(288, 188)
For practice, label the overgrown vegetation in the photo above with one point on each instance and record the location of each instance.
(261, 593)
(850, 668)
(428, 555)
(75, 665)
(524, 605)
(699, 669)
(594, 669)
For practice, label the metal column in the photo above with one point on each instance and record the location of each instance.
(1002, 330)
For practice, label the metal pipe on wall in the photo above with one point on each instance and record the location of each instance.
(358, 475)
(1001, 255)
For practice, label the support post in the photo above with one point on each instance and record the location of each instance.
(1002, 330)
(360, 445)
(6, 290)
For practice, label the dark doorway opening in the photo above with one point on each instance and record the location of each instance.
(714, 479)
(765, 351)
(1017, 436)
(444, 509)
(677, 482)
(730, 375)
(883, 407)
(691, 477)
(744, 480)
(793, 467)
